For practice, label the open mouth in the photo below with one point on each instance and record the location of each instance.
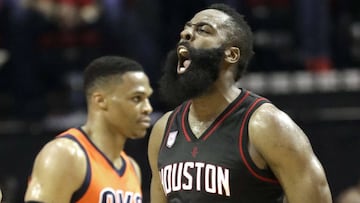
(184, 59)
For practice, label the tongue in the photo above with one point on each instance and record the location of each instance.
(186, 63)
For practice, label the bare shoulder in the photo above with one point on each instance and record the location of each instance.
(155, 139)
(268, 117)
(61, 162)
(268, 123)
(58, 153)
(157, 131)
(161, 123)
(285, 148)
(277, 138)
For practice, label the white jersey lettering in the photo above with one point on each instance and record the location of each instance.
(208, 178)
(109, 195)
(210, 182)
(187, 185)
(176, 177)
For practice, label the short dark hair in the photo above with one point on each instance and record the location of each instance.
(102, 68)
(240, 36)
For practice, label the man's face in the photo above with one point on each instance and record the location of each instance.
(128, 107)
(191, 70)
(189, 75)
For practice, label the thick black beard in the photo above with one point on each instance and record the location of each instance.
(196, 81)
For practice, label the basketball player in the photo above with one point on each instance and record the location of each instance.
(223, 143)
(87, 164)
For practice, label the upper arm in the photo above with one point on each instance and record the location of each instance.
(287, 151)
(156, 191)
(52, 179)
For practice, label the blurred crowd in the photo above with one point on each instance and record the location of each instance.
(45, 44)
(48, 42)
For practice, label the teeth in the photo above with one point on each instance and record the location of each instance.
(182, 51)
(184, 60)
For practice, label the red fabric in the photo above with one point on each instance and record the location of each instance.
(318, 64)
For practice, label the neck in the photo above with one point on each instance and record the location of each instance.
(210, 105)
(106, 141)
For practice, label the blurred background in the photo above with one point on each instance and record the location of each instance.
(307, 59)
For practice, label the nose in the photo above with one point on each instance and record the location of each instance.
(186, 34)
(147, 109)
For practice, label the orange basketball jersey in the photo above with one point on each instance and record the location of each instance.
(103, 182)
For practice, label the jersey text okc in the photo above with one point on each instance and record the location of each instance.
(109, 195)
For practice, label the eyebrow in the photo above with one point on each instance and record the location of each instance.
(189, 24)
(137, 92)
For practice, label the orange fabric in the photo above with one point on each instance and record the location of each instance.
(105, 183)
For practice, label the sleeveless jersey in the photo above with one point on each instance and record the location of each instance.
(216, 167)
(104, 183)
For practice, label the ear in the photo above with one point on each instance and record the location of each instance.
(232, 55)
(99, 100)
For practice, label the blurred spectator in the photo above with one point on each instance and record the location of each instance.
(49, 39)
(342, 20)
(131, 27)
(313, 27)
(45, 41)
(9, 188)
(5, 79)
(278, 32)
(272, 22)
(350, 195)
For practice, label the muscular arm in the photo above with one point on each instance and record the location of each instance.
(285, 148)
(157, 194)
(58, 171)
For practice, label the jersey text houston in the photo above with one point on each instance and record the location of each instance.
(196, 176)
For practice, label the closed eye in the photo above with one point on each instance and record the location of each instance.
(203, 29)
(200, 27)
